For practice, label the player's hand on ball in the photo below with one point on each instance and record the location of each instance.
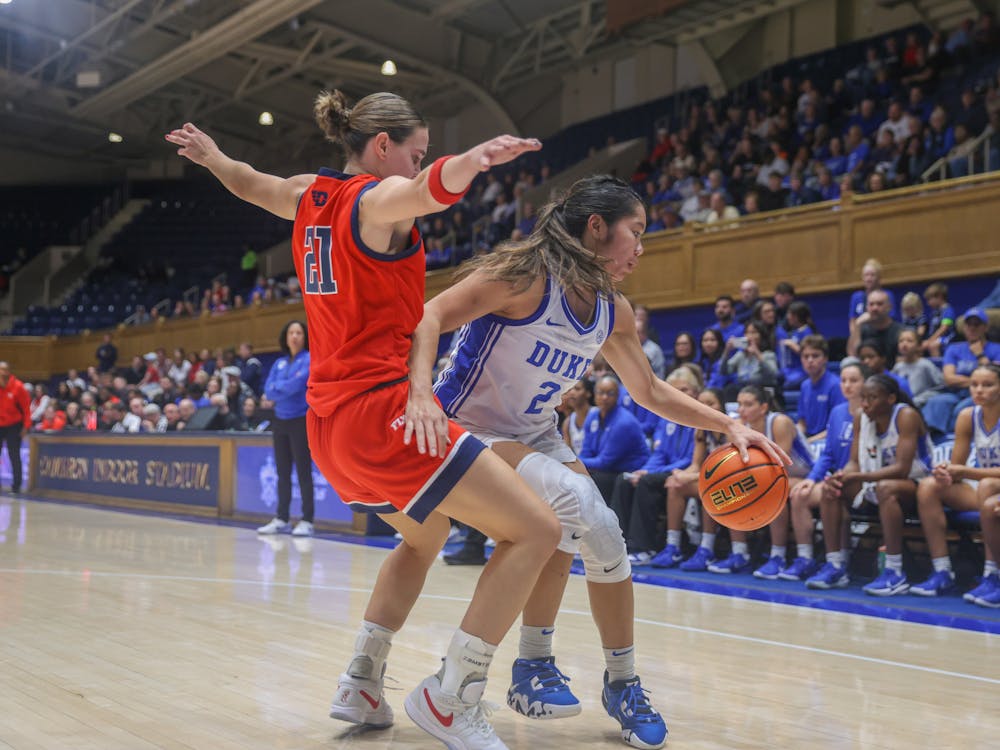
(743, 437)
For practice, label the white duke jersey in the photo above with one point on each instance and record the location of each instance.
(802, 457)
(985, 443)
(507, 376)
(877, 451)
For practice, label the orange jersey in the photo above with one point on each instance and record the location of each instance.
(361, 306)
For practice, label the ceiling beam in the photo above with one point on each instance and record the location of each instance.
(211, 44)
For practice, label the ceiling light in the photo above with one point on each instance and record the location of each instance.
(115, 138)
(6, 2)
(388, 68)
(266, 118)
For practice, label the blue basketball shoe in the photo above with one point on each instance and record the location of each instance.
(539, 690)
(888, 583)
(799, 569)
(668, 557)
(986, 585)
(769, 570)
(698, 561)
(626, 702)
(735, 563)
(939, 582)
(830, 576)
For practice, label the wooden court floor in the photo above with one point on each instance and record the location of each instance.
(135, 632)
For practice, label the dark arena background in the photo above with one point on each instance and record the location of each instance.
(808, 168)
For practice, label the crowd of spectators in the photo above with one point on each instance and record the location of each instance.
(879, 125)
(156, 392)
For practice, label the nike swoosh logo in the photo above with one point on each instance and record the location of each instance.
(608, 570)
(445, 720)
(708, 474)
(550, 322)
(574, 535)
(622, 653)
(371, 701)
(550, 631)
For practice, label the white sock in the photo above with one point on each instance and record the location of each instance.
(707, 541)
(620, 662)
(777, 551)
(371, 648)
(740, 548)
(468, 657)
(836, 558)
(535, 643)
(989, 568)
(894, 563)
(942, 563)
(804, 550)
(674, 537)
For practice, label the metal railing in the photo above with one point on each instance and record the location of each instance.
(978, 155)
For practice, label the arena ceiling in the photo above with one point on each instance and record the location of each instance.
(71, 71)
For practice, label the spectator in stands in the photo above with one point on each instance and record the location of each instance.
(876, 324)
(784, 295)
(798, 324)
(40, 399)
(684, 351)
(74, 418)
(865, 121)
(766, 312)
(918, 106)
(798, 194)
(970, 113)
(889, 453)
(836, 161)
(168, 393)
(140, 316)
(725, 321)
(922, 376)
(720, 211)
(186, 410)
(821, 389)
(710, 351)
(54, 419)
(895, 124)
(941, 326)
(939, 137)
(115, 419)
(107, 354)
(638, 496)
(251, 418)
(959, 44)
(871, 352)
(578, 402)
(651, 349)
(172, 415)
(285, 391)
(250, 367)
(857, 149)
(827, 188)
(613, 440)
(153, 419)
(749, 296)
(225, 419)
(913, 317)
(750, 360)
(875, 183)
(960, 359)
(180, 368)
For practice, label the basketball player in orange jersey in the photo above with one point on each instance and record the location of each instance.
(534, 313)
(360, 262)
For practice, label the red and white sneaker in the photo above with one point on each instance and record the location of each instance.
(461, 723)
(361, 701)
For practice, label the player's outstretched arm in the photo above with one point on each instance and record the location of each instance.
(398, 199)
(624, 353)
(278, 195)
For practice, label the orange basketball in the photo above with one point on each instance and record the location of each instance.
(742, 496)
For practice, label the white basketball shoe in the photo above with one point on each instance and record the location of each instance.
(359, 698)
(461, 723)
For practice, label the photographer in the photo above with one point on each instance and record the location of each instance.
(750, 359)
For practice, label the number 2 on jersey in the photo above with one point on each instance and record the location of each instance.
(549, 389)
(318, 265)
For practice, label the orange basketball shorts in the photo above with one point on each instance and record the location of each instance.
(359, 449)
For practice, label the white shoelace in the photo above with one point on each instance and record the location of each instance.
(479, 715)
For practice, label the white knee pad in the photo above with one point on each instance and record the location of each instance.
(605, 557)
(589, 525)
(564, 491)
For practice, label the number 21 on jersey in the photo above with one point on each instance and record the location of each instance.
(317, 264)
